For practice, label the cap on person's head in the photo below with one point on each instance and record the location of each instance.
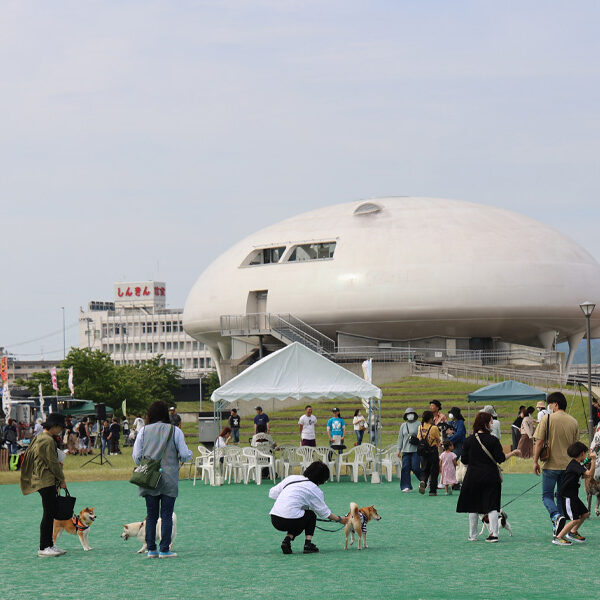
(234, 410)
(488, 408)
(409, 411)
(54, 419)
(171, 408)
(540, 404)
(335, 409)
(437, 403)
(258, 408)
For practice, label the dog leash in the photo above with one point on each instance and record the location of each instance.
(522, 494)
(328, 530)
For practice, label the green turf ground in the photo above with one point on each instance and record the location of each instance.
(228, 549)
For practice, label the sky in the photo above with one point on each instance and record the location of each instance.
(142, 139)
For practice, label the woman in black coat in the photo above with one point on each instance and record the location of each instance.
(482, 489)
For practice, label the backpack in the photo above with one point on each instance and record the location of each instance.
(423, 447)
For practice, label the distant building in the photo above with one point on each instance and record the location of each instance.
(24, 369)
(137, 326)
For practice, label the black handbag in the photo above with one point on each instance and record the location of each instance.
(65, 506)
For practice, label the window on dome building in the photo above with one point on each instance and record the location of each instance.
(264, 256)
(320, 251)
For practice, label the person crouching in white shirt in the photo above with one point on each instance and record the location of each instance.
(298, 502)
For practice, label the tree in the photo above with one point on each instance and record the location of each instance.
(97, 378)
(94, 375)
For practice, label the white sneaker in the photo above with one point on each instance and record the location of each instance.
(49, 551)
(407, 490)
(473, 538)
(59, 550)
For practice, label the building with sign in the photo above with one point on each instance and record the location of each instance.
(137, 326)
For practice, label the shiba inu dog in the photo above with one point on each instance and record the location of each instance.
(78, 525)
(357, 523)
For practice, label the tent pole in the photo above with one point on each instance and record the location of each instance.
(217, 417)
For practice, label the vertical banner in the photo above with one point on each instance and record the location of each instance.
(54, 381)
(4, 369)
(124, 407)
(6, 400)
(71, 386)
(42, 413)
(368, 369)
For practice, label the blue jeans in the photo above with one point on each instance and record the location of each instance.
(164, 505)
(235, 434)
(359, 436)
(104, 445)
(410, 462)
(551, 478)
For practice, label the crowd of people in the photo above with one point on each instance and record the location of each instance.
(431, 448)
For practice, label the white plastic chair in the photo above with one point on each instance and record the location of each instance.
(232, 464)
(323, 453)
(359, 457)
(254, 462)
(291, 458)
(306, 453)
(204, 464)
(389, 460)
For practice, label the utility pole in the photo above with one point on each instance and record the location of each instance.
(63, 331)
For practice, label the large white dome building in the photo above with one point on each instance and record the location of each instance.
(402, 268)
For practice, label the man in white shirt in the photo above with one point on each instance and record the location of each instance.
(298, 502)
(306, 424)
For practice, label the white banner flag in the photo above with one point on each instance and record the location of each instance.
(368, 370)
(71, 386)
(6, 400)
(42, 413)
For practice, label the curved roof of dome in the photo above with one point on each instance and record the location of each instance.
(409, 260)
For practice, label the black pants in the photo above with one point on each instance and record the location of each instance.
(295, 527)
(430, 469)
(48, 495)
(114, 445)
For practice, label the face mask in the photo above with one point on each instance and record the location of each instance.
(450, 416)
(410, 417)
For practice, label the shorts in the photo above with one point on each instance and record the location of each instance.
(573, 508)
(83, 443)
(306, 442)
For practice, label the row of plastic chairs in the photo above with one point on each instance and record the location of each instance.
(244, 464)
(241, 463)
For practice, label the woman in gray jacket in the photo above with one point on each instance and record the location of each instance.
(411, 461)
(150, 442)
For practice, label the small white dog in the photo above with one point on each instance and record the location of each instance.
(502, 521)
(138, 530)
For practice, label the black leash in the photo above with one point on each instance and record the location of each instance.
(522, 494)
(328, 530)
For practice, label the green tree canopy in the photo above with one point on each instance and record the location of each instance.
(97, 378)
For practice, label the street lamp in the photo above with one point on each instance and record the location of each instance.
(587, 308)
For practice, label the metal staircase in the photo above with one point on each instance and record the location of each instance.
(284, 327)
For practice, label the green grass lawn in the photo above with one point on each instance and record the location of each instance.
(228, 549)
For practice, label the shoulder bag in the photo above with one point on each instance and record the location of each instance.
(545, 451)
(412, 439)
(149, 472)
(491, 458)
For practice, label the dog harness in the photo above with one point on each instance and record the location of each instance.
(79, 526)
(363, 521)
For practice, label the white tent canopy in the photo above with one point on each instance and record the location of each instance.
(295, 372)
